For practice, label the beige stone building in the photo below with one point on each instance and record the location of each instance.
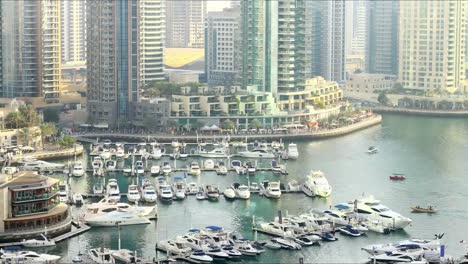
(368, 83)
(432, 44)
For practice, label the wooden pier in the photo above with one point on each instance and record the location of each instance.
(80, 228)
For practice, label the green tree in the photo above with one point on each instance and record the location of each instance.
(66, 141)
(383, 99)
(153, 92)
(319, 104)
(228, 124)
(51, 115)
(30, 115)
(47, 130)
(256, 124)
(14, 120)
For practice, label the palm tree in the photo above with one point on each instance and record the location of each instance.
(228, 124)
(256, 124)
(30, 115)
(14, 120)
(47, 130)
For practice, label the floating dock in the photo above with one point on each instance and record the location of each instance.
(80, 228)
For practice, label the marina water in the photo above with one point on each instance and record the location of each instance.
(432, 152)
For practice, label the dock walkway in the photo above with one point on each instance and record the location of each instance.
(80, 228)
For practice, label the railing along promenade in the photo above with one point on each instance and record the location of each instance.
(421, 112)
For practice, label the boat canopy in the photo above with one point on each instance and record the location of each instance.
(341, 206)
(215, 228)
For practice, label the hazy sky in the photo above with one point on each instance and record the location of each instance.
(217, 5)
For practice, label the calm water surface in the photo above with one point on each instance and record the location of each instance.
(432, 152)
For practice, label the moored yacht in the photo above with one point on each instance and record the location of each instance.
(218, 152)
(293, 153)
(148, 193)
(139, 168)
(64, 193)
(271, 189)
(221, 169)
(208, 164)
(112, 190)
(316, 185)
(192, 188)
(78, 169)
(165, 191)
(212, 192)
(155, 170)
(258, 153)
(133, 195)
(27, 257)
(242, 191)
(180, 188)
(32, 164)
(166, 168)
(111, 165)
(194, 168)
(101, 255)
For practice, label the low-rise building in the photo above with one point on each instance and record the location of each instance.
(154, 110)
(8, 105)
(369, 82)
(28, 136)
(30, 205)
(182, 76)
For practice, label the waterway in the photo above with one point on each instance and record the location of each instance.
(432, 152)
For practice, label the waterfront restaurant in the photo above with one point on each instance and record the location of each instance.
(30, 206)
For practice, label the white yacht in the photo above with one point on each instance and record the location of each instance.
(35, 243)
(200, 256)
(165, 192)
(180, 188)
(208, 164)
(98, 188)
(155, 170)
(101, 255)
(109, 213)
(271, 189)
(133, 195)
(139, 168)
(212, 192)
(120, 153)
(111, 165)
(275, 167)
(149, 194)
(194, 169)
(316, 185)
(78, 169)
(276, 229)
(156, 153)
(258, 153)
(219, 152)
(78, 199)
(367, 207)
(166, 168)
(125, 256)
(175, 144)
(229, 193)
(173, 247)
(242, 191)
(112, 190)
(221, 169)
(105, 154)
(293, 153)
(64, 193)
(402, 245)
(237, 166)
(27, 257)
(32, 164)
(250, 167)
(192, 188)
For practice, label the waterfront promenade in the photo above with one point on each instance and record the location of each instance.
(420, 112)
(291, 135)
(49, 154)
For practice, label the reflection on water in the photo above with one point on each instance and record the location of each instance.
(430, 151)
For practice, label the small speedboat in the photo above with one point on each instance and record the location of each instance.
(275, 167)
(199, 255)
(287, 243)
(208, 164)
(111, 165)
(192, 188)
(419, 209)
(139, 168)
(222, 169)
(372, 150)
(201, 194)
(305, 241)
(98, 188)
(230, 193)
(35, 243)
(397, 177)
(350, 231)
(155, 170)
(78, 199)
(127, 170)
(328, 236)
(254, 187)
(78, 169)
(247, 249)
(166, 168)
(212, 192)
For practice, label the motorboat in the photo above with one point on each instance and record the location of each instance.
(293, 153)
(63, 193)
(218, 152)
(112, 190)
(155, 170)
(221, 169)
(157, 153)
(250, 167)
(78, 169)
(31, 164)
(9, 170)
(166, 168)
(254, 187)
(183, 154)
(393, 258)
(350, 231)
(214, 251)
(120, 153)
(229, 193)
(78, 199)
(271, 244)
(105, 154)
(175, 144)
(275, 167)
(259, 153)
(98, 188)
(316, 185)
(306, 241)
(148, 193)
(367, 207)
(277, 229)
(397, 177)
(287, 243)
(294, 186)
(27, 257)
(327, 236)
(271, 189)
(98, 166)
(200, 256)
(242, 191)
(201, 194)
(180, 188)
(212, 192)
(372, 150)
(247, 249)
(165, 192)
(110, 213)
(125, 256)
(192, 188)
(133, 195)
(235, 164)
(419, 209)
(231, 251)
(376, 226)
(194, 169)
(101, 255)
(416, 243)
(208, 164)
(173, 247)
(139, 168)
(127, 169)
(43, 241)
(111, 165)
